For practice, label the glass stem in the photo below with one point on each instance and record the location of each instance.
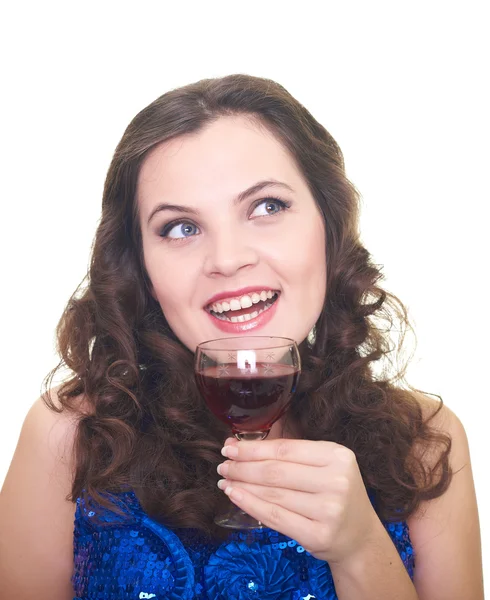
(251, 436)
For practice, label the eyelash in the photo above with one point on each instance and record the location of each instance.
(283, 205)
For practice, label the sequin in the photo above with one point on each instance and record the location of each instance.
(133, 557)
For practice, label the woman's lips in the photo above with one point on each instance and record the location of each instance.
(253, 324)
(238, 293)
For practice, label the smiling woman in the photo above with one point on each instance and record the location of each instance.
(226, 210)
(233, 233)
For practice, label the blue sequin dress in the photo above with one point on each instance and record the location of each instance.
(133, 557)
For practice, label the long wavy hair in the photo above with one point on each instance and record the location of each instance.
(144, 425)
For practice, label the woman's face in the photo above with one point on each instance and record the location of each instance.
(233, 241)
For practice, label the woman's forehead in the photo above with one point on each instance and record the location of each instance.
(221, 160)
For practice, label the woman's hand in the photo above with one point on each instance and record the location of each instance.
(311, 491)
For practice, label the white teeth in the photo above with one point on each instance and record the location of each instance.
(245, 302)
(243, 318)
(239, 319)
(235, 305)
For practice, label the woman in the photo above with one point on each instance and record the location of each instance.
(229, 186)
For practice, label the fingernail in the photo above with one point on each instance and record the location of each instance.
(223, 469)
(229, 451)
(222, 484)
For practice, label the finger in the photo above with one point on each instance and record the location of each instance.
(273, 473)
(305, 452)
(291, 524)
(312, 506)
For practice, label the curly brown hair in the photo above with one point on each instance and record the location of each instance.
(146, 427)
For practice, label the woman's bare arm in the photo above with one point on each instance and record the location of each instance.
(36, 520)
(446, 532)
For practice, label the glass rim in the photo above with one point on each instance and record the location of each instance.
(287, 342)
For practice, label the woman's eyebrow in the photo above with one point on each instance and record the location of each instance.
(253, 189)
(258, 187)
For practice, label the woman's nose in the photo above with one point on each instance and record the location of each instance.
(227, 253)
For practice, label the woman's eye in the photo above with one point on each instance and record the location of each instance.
(179, 230)
(269, 206)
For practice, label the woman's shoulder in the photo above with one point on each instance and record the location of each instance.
(41, 414)
(48, 433)
(434, 406)
(444, 531)
(45, 449)
(36, 516)
(51, 425)
(444, 436)
(442, 420)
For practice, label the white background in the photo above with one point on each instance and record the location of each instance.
(402, 88)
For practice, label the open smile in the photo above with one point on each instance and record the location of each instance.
(243, 313)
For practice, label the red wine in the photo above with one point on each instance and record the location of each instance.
(248, 401)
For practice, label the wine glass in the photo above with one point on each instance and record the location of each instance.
(247, 382)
